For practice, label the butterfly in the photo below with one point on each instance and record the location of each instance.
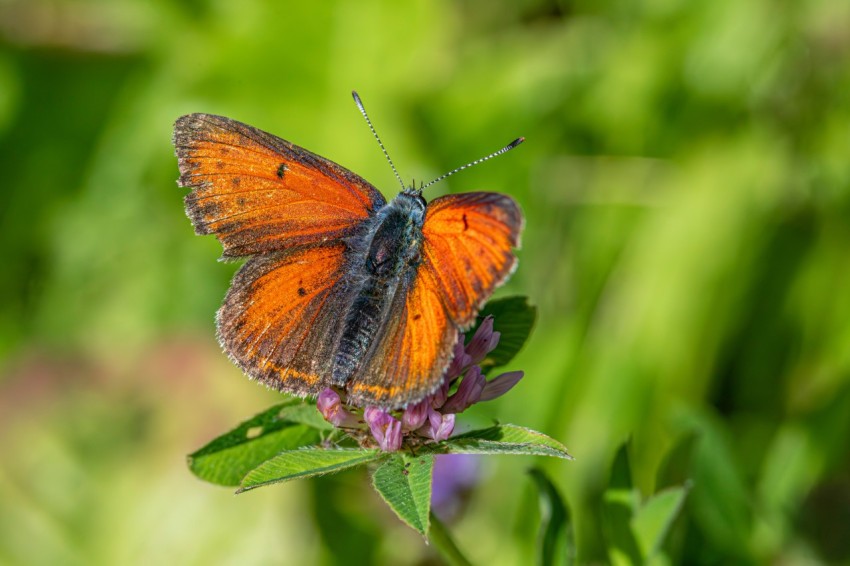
(340, 288)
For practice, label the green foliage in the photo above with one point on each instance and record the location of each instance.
(305, 462)
(504, 439)
(404, 482)
(514, 321)
(635, 529)
(652, 521)
(556, 540)
(227, 459)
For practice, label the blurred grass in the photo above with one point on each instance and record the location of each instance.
(685, 184)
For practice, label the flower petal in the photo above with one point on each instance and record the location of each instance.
(483, 341)
(468, 392)
(415, 416)
(330, 405)
(460, 361)
(385, 428)
(439, 426)
(500, 385)
(392, 437)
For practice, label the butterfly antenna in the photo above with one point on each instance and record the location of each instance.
(505, 149)
(359, 104)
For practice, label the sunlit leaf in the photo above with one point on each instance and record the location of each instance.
(404, 482)
(226, 459)
(503, 439)
(306, 463)
(651, 523)
(618, 507)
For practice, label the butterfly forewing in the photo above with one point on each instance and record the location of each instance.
(468, 249)
(258, 193)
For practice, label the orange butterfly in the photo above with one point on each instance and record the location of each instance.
(340, 289)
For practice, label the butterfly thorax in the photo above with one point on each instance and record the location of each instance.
(382, 262)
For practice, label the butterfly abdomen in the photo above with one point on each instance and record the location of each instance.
(382, 260)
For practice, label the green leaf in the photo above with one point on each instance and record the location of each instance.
(503, 439)
(442, 539)
(621, 469)
(404, 482)
(306, 463)
(306, 413)
(226, 460)
(620, 503)
(675, 468)
(556, 531)
(618, 508)
(513, 318)
(728, 520)
(652, 522)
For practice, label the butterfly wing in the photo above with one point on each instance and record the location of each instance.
(259, 193)
(468, 249)
(467, 252)
(281, 317)
(411, 352)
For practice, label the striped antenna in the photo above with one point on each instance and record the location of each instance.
(505, 149)
(359, 104)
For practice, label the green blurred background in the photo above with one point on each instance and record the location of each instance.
(686, 185)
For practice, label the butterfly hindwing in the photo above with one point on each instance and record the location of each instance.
(468, 249)
(282, 316)
(258, 193)
(411, 352)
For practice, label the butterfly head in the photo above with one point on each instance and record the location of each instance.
(413, 191)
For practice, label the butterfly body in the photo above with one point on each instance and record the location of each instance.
(381, 263)
(340, 288)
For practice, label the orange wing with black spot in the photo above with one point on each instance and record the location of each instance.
(468, 249)
(258, 193)
(412, 351)
(282, 316)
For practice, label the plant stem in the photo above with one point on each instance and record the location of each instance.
(444, 543)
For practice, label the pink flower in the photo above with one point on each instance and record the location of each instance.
(460, 360)
(385, 428)
(500, 385)
(483, 342)
(438, 427)
(468, 392)
(330, 405)
(414, 416)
